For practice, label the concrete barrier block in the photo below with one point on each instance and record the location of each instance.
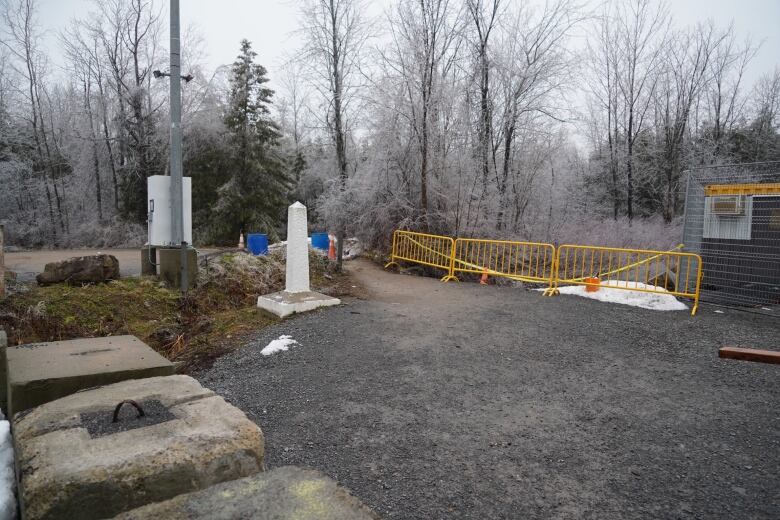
(74, 462)
(284, 493)
(42, 372)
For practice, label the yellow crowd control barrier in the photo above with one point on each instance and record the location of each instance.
(524, 261)
(421, 248)
(660, 272)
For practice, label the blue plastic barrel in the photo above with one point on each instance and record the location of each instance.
(320, 241)
(257, 243)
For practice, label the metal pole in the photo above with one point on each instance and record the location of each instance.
(177, 206)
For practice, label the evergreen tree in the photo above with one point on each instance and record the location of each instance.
(253, 198)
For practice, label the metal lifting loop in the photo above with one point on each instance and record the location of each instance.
(127, 401)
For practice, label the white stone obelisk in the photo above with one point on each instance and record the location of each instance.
(297, 296)
(297, 249)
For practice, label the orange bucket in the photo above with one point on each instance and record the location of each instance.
(592, 284)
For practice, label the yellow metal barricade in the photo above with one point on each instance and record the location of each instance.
(421, 248)
(523, 261)
(660, 272)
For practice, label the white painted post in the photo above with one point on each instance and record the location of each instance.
(297, 249)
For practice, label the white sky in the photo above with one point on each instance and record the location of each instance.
(271, 25)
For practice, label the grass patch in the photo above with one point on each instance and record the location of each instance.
(214, 318)
(137, 306)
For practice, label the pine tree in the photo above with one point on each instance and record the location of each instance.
(253, 198)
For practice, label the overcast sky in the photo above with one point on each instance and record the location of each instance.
(271, 25)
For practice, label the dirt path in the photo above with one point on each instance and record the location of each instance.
(434, 400)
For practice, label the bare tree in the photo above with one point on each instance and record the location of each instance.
(641, 31)
(84, 58)
(766, 126)
(533, 67)
(686, 71)
(423, 34)
(21, 38)
(722, 89)
(484, 15)
(603, 88)
(336, 33)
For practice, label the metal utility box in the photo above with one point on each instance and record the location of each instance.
(159, 210)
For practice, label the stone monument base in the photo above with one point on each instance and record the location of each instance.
(285, 303)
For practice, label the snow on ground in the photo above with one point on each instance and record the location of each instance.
(7, 480)
(656, 302)
(278, 345)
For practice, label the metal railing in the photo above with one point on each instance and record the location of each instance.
(523, 261)
(657, 272)
(421, 248)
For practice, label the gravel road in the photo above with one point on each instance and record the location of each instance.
(434, 400)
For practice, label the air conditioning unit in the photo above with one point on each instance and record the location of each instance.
(728, 205)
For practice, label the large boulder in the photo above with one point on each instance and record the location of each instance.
(81, 270)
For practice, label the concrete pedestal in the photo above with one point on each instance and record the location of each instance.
(170, 266)
(148, 261)
(285, 303)
(297, 296)
(42, 372)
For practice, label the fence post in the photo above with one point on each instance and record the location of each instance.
(451, 272)
(392, 252)
(553, 289)
(699, 276)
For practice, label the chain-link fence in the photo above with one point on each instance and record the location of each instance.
(732, 219)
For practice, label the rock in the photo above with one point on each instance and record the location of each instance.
(81, 270)
(285, 493)
(664, 279)
(74, 462)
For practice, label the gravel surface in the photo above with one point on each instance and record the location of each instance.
(433, 400)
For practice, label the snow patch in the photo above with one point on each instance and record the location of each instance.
(7, 479)
(278, 345)
(652, 301)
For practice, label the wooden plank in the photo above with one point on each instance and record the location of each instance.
(750, 354)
